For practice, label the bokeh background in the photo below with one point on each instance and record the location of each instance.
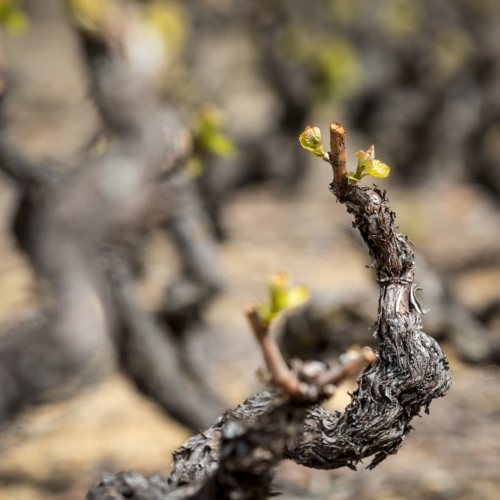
(420, 80)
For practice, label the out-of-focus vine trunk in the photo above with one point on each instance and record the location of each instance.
(85, 214)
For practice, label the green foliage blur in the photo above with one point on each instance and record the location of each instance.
(11, 16)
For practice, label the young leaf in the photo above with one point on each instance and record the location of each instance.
(365, 158)
(278, 288)
(89, 15)
(378, 169)
(297, 296)
(368, 165)
(282, 296)
(310, 139)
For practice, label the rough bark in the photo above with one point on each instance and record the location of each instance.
(412, 369)
(250, 448)
(328, 324)
(243, 471)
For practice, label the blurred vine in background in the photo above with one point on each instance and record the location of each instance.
(166, 20)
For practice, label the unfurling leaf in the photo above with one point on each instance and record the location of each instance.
(378, 169)
(365, 158)
(310, 139)
(368, 165)
(278, 290)
(282, 296)
(194, 167)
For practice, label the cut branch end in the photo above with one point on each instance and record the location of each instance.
(338, 159)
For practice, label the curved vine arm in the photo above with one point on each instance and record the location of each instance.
(412, 369)
(409, 372)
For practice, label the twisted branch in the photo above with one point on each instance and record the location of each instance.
(411, 369)
(250, 448)
(409, 372)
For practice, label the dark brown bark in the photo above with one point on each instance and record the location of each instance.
(243, 471)
(412, 369)
(248, 448)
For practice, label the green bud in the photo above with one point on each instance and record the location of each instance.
(310, 139)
